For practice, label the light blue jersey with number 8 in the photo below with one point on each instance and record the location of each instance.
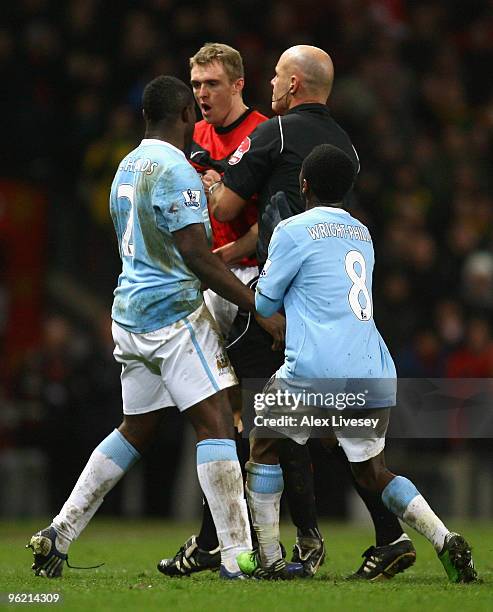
(154, 193)
(320, 266)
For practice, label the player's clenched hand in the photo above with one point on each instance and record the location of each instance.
(209, 178)
(276, 327)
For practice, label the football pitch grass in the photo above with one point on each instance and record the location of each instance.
(129, 579)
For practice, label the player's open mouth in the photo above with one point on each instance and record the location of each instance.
(205, 108)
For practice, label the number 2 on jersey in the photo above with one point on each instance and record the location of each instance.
(359, 286)
(127, 191)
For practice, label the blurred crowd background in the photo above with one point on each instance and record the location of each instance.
(414, 90)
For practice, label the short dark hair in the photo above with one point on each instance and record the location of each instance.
(164, 98)
(329, 172)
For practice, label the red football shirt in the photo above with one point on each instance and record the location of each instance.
(212, 147)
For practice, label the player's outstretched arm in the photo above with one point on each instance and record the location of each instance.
(233, 252)
(192, 244)
(224, 203)
(282, 266)
(266, 307)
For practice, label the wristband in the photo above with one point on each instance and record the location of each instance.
(214, 186)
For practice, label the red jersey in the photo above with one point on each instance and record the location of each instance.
(212, 147)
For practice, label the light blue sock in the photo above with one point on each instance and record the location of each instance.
(107, 464)
(117, 448)
(403, 499)
(264, 490)
(263, 478)
(216, 449)
(398, 494)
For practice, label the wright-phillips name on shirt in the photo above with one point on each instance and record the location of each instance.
(338, 230)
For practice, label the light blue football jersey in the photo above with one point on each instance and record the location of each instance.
(320, 264)
(154, 193)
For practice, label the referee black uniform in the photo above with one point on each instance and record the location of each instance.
(266, 163)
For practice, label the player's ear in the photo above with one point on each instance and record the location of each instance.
(188, 114)
(304, 186)
(294, 85)
(238, 86)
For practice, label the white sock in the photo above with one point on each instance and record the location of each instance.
(264, 490)
(222, 484)
(107, 464)
(421, 517)
(404, 500)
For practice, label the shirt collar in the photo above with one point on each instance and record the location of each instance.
(236, 123)
(333, 209)
(156, 141)
(316, 106)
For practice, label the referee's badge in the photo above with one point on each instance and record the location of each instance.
(240, 151)
(192, 198)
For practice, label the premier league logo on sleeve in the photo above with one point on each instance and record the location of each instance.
(267, 265)
(192, 198)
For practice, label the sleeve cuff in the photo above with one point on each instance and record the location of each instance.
(265, 306)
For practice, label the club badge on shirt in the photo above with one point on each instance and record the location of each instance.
(240, 151)
(222, 362)
(192, 198)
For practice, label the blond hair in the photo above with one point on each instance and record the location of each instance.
(224, 54)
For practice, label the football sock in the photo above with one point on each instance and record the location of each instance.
(387, 526)
(297, 472)
(107, 464)
(402, 497)
(207, 538)
(264, 489)
(222, 484)
(243, 450)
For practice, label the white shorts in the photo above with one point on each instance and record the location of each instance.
(178, 365)
(359, 444)
(223, 311)
(362, 449)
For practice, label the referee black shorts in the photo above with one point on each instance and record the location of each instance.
(249, 347)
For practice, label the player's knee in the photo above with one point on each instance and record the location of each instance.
(139, 430)
(212, 417)
(215, 425)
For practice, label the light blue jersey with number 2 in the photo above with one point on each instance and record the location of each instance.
(155, 192)
(320, 266)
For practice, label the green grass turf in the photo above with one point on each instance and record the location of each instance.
(129, 579)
